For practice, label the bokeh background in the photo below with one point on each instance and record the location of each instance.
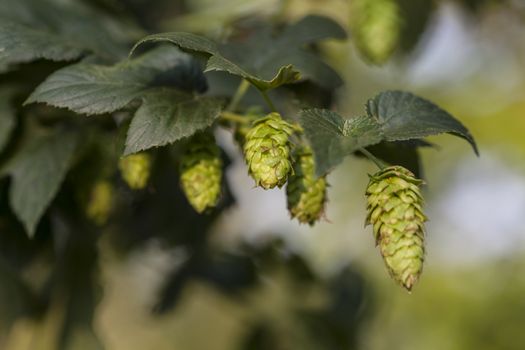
(272, 284)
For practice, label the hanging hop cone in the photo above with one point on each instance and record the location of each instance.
(135, 170)
(306, 193)
(100, 202)
(201, 172)
(267, 151)
(395, 211)
(376, 27)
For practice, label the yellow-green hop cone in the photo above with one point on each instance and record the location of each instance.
(201, 172)
(135, 170)
(376, 28)
(306, 193)
(267, 151)
(395, 211)
(100, 202)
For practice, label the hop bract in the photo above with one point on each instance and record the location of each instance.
(100, 202)
(306, 194)
(376, 26)
(201, 172)
(395, 211)
(135, 170)
(267, 151)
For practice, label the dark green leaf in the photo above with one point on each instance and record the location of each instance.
(36, 174)
(416, 16)
(311, 29)
(96, 89)
(7, 117)
(404, 116)
(264, 60)
(58, 31)
(392, 116)
(20, 44)
(167, 116)
(332, 137)
(400, 153)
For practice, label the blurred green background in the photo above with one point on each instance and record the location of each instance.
(326, 287)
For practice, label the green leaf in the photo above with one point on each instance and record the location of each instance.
(405, 116)
(404, 153)
(36, 174)
(265, 60)
(20, 44)
(166, 116)
(332, 138)
(7, 116)
(96, 89)
(391, 116)
(57, 30)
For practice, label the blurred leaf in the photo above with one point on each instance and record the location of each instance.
(264, 60)
(16, 298)
(7, 116)
(20, 44)
(166, 116)
(96, 89)
(416, 16)
(36, 174)
(391, 116)
(57, 30)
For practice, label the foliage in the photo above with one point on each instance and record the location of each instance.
(62, 139)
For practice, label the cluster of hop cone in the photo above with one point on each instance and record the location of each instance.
(394, 201)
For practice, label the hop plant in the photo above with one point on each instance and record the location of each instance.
(267, 151)
(306, 194)
(376, 27)
(135, 170)
(395, 211)
(100, 202)
(201, 172)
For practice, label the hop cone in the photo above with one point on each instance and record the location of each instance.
(395, 211)
(306, 194)
(376, 27)
(201, 172)
(100, 202)
(135, 170)
(267, 151)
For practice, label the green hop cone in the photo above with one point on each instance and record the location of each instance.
(135, 170)
(100, 202)
(376, 28)
(201, 172)
(306, 194)
(395, 211)
(267, 151)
